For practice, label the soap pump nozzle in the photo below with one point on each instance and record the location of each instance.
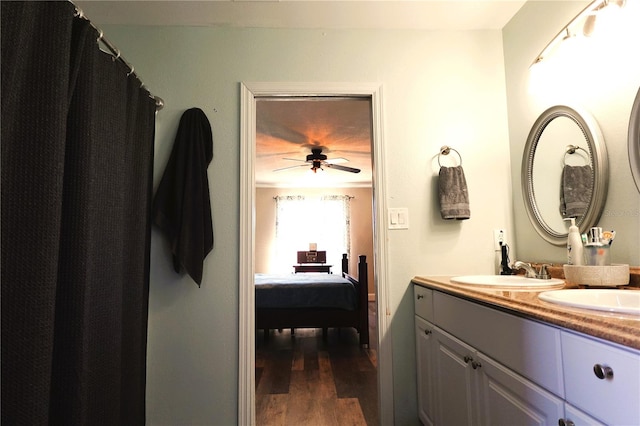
(594, 236)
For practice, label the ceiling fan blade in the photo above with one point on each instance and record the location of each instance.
(343, 168)
(279, 131)
(352, 152)
(290, 167)
(294, 159)
(274, 154)
(338, 160)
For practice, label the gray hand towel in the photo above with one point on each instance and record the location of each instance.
(453, 194)
(575, 190)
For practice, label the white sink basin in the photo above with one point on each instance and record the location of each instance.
(510, 281)
(610, 300)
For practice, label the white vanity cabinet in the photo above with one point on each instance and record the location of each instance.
(507, 398)
(576, 417)
(425, 371)
(455, 381)
(480, 366)
(601, 379)
(470, 388)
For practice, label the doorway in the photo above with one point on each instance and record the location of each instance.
(249, 93)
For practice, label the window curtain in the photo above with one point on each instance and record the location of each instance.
(301, 221)
(77, 158)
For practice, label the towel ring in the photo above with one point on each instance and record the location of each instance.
(446, 150)
(571, 149)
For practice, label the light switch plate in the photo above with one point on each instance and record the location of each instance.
(398, 218)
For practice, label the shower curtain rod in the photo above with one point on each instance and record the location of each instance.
(117, 56)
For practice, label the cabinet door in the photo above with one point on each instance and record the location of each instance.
(575, 417)
(456, 389)
(425, 380)
(527, 347)
(507, 398)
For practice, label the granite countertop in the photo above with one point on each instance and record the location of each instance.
(623, 329)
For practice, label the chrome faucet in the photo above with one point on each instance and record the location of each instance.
(530, 272)
(543, 274)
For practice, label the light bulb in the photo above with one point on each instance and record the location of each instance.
(606, 21)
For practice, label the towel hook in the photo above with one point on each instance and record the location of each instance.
(571, 149)
(445, 150)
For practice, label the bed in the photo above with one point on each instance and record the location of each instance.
(314, 300)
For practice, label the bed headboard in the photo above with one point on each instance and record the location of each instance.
(312, 257)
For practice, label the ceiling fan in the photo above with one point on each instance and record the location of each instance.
(317, 160)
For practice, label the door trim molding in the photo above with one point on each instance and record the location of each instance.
(246, 321)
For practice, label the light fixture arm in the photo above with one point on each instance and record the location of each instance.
(565, 32)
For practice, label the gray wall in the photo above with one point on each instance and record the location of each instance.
(604, 82)
(438, 87)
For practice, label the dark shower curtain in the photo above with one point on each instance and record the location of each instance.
(77, 158)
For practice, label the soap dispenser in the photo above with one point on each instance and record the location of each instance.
(575, 254)
(597, 251)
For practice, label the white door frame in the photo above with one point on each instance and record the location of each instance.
(246, 323)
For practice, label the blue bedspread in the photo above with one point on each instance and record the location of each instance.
(308, 290)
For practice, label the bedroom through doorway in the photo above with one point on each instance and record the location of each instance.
(313, 199)
(308, 150)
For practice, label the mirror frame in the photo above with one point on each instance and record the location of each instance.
(634, 140)
(599, 163)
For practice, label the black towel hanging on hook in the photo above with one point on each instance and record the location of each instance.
(182, 207)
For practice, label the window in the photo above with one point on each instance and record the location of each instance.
(301, 221)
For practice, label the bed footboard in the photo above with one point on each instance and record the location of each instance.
(281, 318)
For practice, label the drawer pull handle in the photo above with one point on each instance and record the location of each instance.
(603, 372)
(467, 359)
(428, 332)
(476, 365)
(565, 422)
(420, 296)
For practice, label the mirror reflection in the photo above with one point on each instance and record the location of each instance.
(564, 172)
(566, 168)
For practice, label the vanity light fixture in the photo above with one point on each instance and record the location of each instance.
(587, 18)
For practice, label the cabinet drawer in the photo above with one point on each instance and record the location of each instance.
(423, 302)
(529, 348)
(613, 400)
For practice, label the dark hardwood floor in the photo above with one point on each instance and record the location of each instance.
(306, 379)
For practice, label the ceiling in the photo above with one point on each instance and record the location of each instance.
(288, 129)
(326, 14)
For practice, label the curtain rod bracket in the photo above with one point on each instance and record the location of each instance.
(159, 103)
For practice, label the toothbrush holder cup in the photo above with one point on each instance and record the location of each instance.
(597, 255)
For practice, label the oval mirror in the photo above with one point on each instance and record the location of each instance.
(565, 172)
(634, 140)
